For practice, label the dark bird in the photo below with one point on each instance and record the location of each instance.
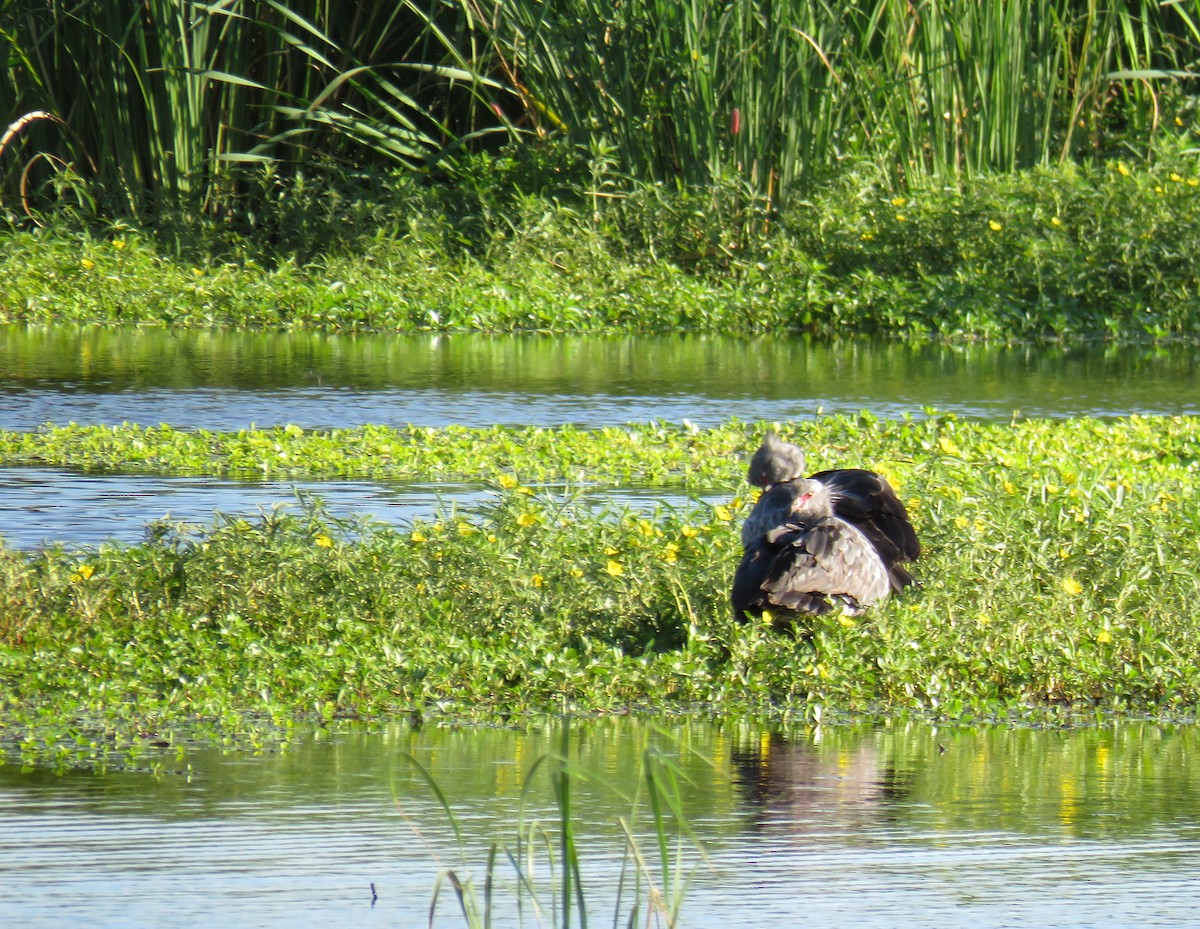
(840, 535)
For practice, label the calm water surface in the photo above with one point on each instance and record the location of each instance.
(43, 506)
(227, 381)
(896, 826)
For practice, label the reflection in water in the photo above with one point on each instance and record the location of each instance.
(874, 826)
(228, 381)
(786, 783)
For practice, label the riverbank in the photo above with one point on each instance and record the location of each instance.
(1055, 253)
(1059, 576)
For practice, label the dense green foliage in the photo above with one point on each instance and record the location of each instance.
(132, 108)
(1060, 252)
(1059, 570)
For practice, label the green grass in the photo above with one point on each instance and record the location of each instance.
(545, 860)
(1060, 572)
(146, 106)
(1057, 253)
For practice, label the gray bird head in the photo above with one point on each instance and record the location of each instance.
(813, 499)
(775, 461)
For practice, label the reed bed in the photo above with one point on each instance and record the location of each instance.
(131, 108)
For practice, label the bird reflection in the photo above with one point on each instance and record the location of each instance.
(789, 784)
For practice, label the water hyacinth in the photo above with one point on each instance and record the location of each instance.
(1027, 599)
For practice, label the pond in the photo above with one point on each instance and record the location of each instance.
(225, 381)
(229, 381)
(894, 825)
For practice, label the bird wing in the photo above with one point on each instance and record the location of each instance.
(867, 501)
(830, 557)
(772, 510)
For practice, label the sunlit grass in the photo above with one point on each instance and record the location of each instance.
(547, 864)
(1059, 571)
(1054, 253)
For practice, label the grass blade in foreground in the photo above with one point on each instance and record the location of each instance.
(659, 897)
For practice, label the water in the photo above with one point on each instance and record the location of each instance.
(229, 381)
(896, 826)
(45, 506)
(226, 381)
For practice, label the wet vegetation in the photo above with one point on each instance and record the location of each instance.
(1059, 576)
(949, 171)
(1016, 171)
(1052, 253)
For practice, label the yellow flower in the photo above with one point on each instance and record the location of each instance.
(1071, 587)
(670, 553)
(507, 481)
(87, 264)
(1055, 221)
(612, 551)
(537, 580)
(419, 536)
(525, 491)
(689, 532)
(847, 621)
(466, 529)
(324, 541)
(994, 226)
(196, 272)
(722, 513)
(867, 236)
(1176, 178)
(1009, 488)
(900, 217)
(961, 522)
(1122, 170)
(949, 446)
(576, 572)
(615, 568)
(1104, 637)
(527, 519)
(983, 619)
(82, 573)
(898, 201)
(118, 243)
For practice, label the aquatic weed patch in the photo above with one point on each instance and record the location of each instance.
(1060, 570)
(1103, 252)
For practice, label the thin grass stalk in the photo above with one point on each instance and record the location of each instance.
(572, 885)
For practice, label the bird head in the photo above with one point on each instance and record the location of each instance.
(775, 461)
(813, 499)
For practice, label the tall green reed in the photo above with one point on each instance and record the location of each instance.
(647, 893)
(779, 95)
(162, 99)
